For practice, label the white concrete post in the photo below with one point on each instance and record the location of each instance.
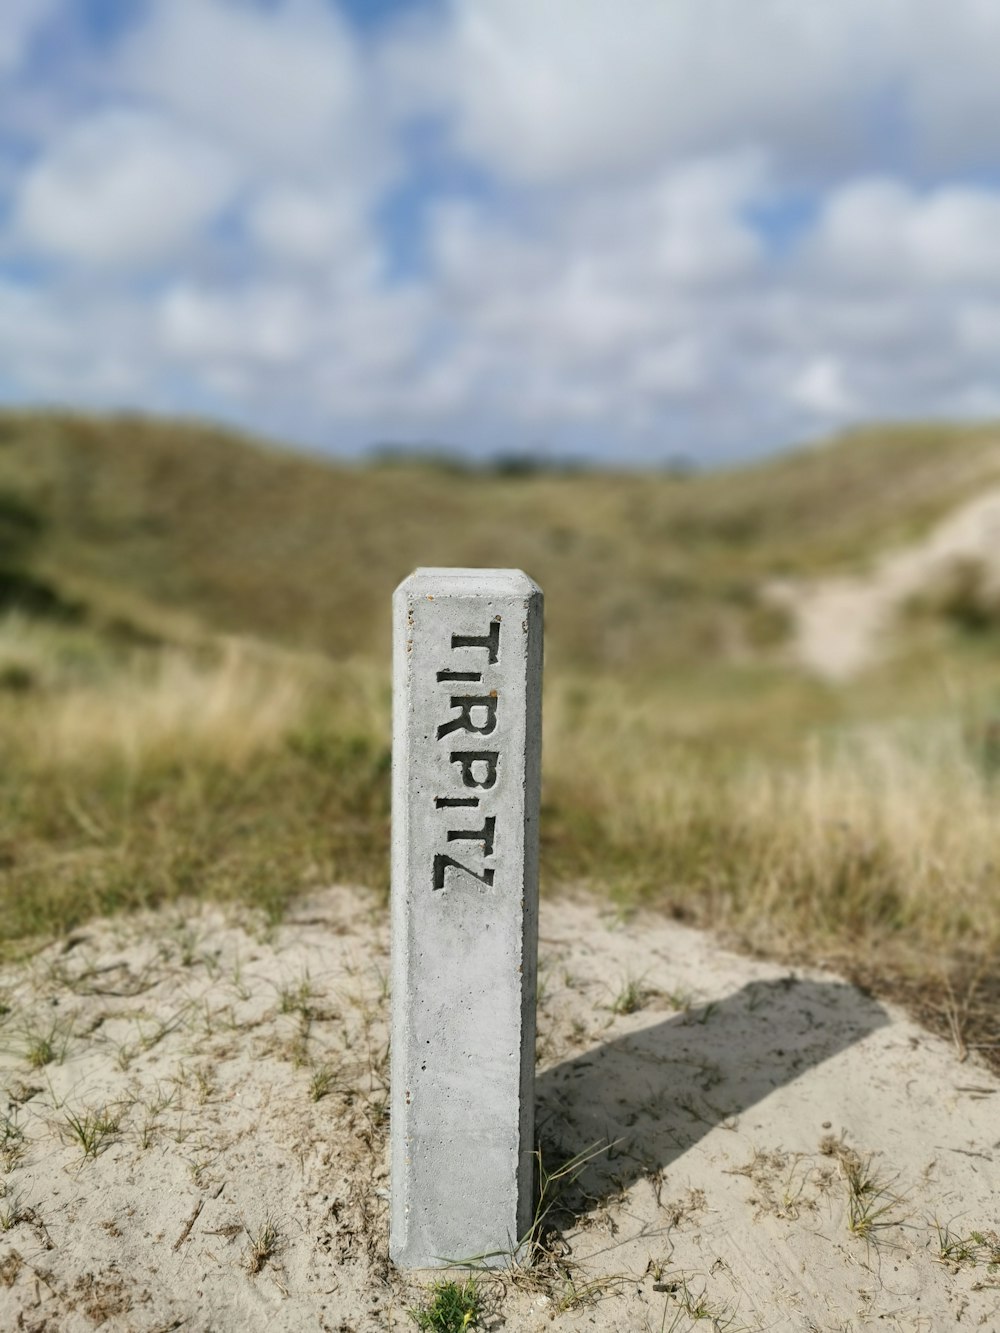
(467, 665)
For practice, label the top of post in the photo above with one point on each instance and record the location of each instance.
(448, 581)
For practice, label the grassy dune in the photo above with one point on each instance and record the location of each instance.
(640, 571)
(194, 693)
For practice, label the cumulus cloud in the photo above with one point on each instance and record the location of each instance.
(584, 89)
(92, 350)
(285, 83)
(121, 188)
(260, 324)
(576, 90)
(703, 226)
(946, 62)
(886, 231)
(820, 388)
(314, 226)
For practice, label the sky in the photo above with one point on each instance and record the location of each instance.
(620, 230)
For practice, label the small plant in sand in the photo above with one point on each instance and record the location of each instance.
(297, 997)
(264, 1244)
(451, 1307)
(45, 1045)
(203, 1082)
(871, 1203)
(975, 1247)
(238, 980)
(187, 940)
(540, 1262)
(322, 1082)
(11, 1142)
(94, 1130)
(632, 996)
(686, 1303)
(12, 1210)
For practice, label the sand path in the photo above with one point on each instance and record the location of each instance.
(841, 623)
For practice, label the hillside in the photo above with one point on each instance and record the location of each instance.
(640, 570)
(194, 687)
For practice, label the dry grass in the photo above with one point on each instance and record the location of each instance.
(746, 802)
(138, 778)
(226, 711)
(845, 834)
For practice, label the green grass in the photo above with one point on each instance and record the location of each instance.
(44, 1044)
(90, 1130)
(872, 1206)
(322, 1082)
(450, 1307)
(968, 1248)
(631, 997)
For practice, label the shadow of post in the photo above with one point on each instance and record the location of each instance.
(651, 1094)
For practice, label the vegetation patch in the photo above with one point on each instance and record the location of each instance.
(450, 1307)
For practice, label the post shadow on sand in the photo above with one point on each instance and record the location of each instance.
(654, 1092)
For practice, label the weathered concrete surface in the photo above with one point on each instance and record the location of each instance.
(466, 769)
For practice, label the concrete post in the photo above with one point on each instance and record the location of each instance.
(467, 665)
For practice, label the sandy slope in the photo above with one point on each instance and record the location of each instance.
(740, 1100)
(841, 622)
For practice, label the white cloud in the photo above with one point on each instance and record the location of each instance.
(586, 90)
(92, 350)
(119, 189)
(316, 226)
(675, 368)
(978, 327)
(947, 57)
(954, 235)
(259, 324)
(285, 85)
(883, 230)
(582, 89)
(296, 341)
(820, 388)
(597, 310)
(699, 232)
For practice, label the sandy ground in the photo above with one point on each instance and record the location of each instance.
(841, 624)
(194, 1136)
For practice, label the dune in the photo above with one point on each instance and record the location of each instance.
(195, 1136)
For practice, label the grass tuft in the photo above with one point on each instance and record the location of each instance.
(91, 1130)
(12, 1146)
(872, 1205)
(45, 1045)
(972, 1248)
(632, 997)
(264, 1243)
(322, 1082)
(450, 1307)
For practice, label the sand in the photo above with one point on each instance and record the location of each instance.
(844, 623)
(195, 1137)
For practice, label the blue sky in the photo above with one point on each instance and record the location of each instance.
(619, 230)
